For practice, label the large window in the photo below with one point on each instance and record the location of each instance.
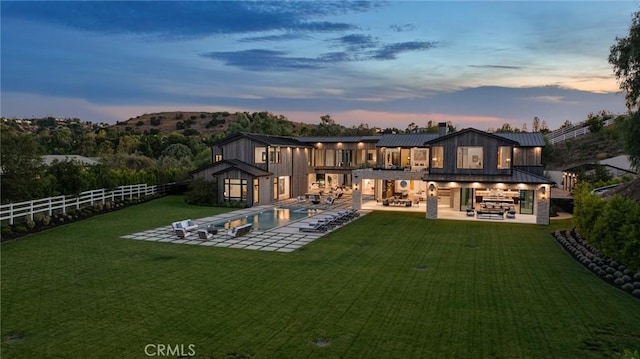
(469, 157)
(504, 157)
(260, 155)
(274, 155)
(330, 158)
(318, 157)
(256, 191)
(437, 159)
(235, 189)
(344, 158)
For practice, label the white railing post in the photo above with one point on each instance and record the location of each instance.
(31, 210)
(10, 213)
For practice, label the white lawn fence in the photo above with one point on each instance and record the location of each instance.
(51, 205)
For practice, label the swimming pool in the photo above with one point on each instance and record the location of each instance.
(270, 218)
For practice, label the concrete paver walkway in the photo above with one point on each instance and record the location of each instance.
(285, 238)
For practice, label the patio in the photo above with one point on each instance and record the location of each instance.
(444, 212)
(286, 238)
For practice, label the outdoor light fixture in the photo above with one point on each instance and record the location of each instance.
(432, 189)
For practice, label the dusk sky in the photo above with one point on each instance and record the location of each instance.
(387, 64)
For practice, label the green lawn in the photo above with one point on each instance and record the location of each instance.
(389, 285)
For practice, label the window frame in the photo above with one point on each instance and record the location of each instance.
(465, 161)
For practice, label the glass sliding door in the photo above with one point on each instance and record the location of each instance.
(526, 201)
(466, 198)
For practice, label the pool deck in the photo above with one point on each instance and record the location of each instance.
(286, 238)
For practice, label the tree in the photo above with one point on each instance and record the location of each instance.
(327, 127)
(595, 122)
(630, 126)
(566, 123)
(535, 126)
(70, 177)
(21, 166)
(544, 128)
(624, 55)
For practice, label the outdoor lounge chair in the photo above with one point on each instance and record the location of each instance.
(240, 230)
(182, 233)
(204, 235)
(314, 227)
(187, 225)
(330, 200)
(301, 199)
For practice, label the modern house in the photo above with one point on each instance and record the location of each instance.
(257, 169)
(451, 171)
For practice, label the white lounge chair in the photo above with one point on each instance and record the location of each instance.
(182, 233)
(204, 235)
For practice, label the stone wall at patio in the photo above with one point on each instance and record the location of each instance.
(432, 207)
(542, 214)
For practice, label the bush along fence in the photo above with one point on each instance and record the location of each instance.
(24, 217)
(606, 268)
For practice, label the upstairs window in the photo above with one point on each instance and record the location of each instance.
(504, 157)
(437, 157)
(469, 157)
(260, 155)
(274, 155)
(218, 158)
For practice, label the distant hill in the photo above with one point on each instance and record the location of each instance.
(188, 123)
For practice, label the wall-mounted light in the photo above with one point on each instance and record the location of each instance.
(543, 192)
(432, 190)
(355, 187)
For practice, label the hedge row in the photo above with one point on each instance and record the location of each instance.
(611, 225)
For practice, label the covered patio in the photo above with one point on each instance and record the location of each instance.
(444, 212)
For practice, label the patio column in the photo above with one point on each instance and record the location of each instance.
(356, 193)
(432, 201)
(543, 203)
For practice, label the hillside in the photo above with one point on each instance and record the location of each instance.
(584, 149)
(195, 123)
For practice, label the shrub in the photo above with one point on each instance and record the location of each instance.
(626, 278)
(628, 287)
(20, 229)
(6, 232)
(636, 292)
(29, 224)
(202, 192)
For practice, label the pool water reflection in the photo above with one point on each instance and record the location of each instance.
(271, 218)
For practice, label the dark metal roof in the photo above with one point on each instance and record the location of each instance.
(518, 176)
(268, 140)
(241, 166)
(457, 133)
(525, 139)
(335, 139)
(233, 164)
(405, 140)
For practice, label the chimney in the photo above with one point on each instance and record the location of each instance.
(442, 129)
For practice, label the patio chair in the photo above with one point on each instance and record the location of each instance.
(182, 233)
(301, 199)
(330, 200)
(204, 235)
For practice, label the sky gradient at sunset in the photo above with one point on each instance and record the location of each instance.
(477, 64)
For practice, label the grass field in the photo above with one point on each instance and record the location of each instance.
(389, 285)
